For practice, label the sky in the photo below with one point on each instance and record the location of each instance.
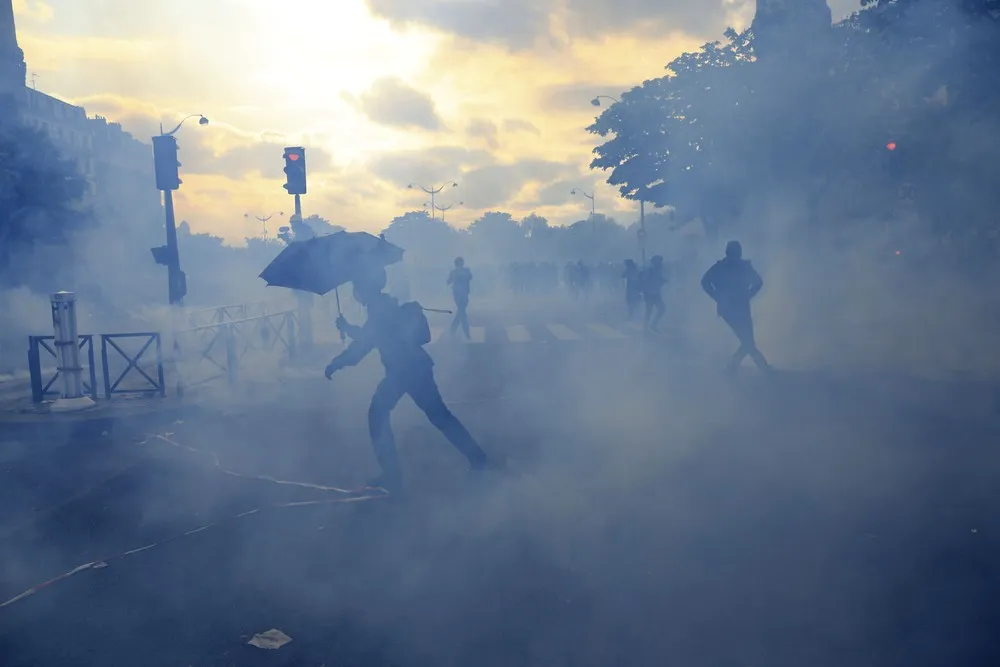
(492, 94)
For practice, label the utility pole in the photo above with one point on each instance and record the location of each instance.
(433, 192)
(642, 231)
(295, 184)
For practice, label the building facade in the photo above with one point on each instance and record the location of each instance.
(118, 167)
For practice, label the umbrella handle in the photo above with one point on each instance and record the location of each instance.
(336, 293)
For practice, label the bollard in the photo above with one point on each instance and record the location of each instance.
(67, 341)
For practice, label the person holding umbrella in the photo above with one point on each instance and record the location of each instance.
(399, 332)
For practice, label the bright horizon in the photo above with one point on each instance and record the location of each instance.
(498, 104)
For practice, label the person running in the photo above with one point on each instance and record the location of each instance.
(633, 288)
(399, 333)
(653, 280)
(732, 283)
(460, 280)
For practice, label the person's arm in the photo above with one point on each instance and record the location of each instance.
(708, 284)
(756, 282)
(353, 331)
(451, 278)
(363, 342)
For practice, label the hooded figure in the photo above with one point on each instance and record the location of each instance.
(399, 333)
(460, 280)
(732, 282)
(653, 280)
(633, 290)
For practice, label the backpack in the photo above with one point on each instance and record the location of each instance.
(413, 325)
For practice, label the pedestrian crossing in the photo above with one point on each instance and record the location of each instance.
(516, 334)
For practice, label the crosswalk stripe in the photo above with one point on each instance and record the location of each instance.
(518, 333)
(478, 334)
(604, 331)
(562, 332)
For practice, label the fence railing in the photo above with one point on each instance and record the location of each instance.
(225, 349)
(230, 313)
(42, 388)
(137, 365)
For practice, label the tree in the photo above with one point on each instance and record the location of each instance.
(427, 241)
(41, 195)
(673, 140)
(497, 234)
(321, 226)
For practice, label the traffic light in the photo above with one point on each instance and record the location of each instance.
(295, 170)
(165, 162)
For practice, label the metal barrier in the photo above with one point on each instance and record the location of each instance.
(224, 346)
(231, 313)
(40, 389)
(157, 386)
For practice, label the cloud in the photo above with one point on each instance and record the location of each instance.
(497, 185)
(514, 23)
(522, 24)
(33, 10)
(392, 102)
(485, 129)
(513, 125)
(430, 167)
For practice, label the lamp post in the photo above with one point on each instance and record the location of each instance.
(263, 220)
(593, 209)
(432, 206)
(597, 100)
(642, 204)
(169, 255)
(432, 192)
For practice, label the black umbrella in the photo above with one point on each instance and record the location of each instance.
(322, 264)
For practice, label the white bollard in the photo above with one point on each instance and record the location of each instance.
(68, 351)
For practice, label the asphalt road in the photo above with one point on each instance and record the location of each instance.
(653, 513)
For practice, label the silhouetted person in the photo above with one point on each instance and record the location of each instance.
(399, 332)
(732, 282)
(653, 279)
(633, 288)
(460, 280)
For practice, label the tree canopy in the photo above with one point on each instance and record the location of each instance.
(724, 129)
(41, 196)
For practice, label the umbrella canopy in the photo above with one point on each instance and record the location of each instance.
(321, 264)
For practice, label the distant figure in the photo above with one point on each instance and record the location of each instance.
(732, 282)
(633, 289)
(584, 278)
(653, 280)
(399, 332)
(460, 280)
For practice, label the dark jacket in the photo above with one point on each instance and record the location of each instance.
(382, 331)
(732, 283)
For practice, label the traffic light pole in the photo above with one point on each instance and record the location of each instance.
(298, 206)
(174, 273)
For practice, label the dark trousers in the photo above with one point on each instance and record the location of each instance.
(741, 322)
(654, 311)
(422, 388)
(632, 300)
(461, 316)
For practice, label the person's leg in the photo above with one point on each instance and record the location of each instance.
(659, 309)
(425, 393)
(463, 314)
(387, 395)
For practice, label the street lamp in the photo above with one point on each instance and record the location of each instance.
(593, 210)
(263, 220)
(597, 100)
(432, 206)
(432, 192)
(169, 255)
(642, 204)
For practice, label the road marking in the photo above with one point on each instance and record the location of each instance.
(518, 333)
(478, 334)
(562, 332)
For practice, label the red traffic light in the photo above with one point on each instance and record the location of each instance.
(891, 145)
(293, 156)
